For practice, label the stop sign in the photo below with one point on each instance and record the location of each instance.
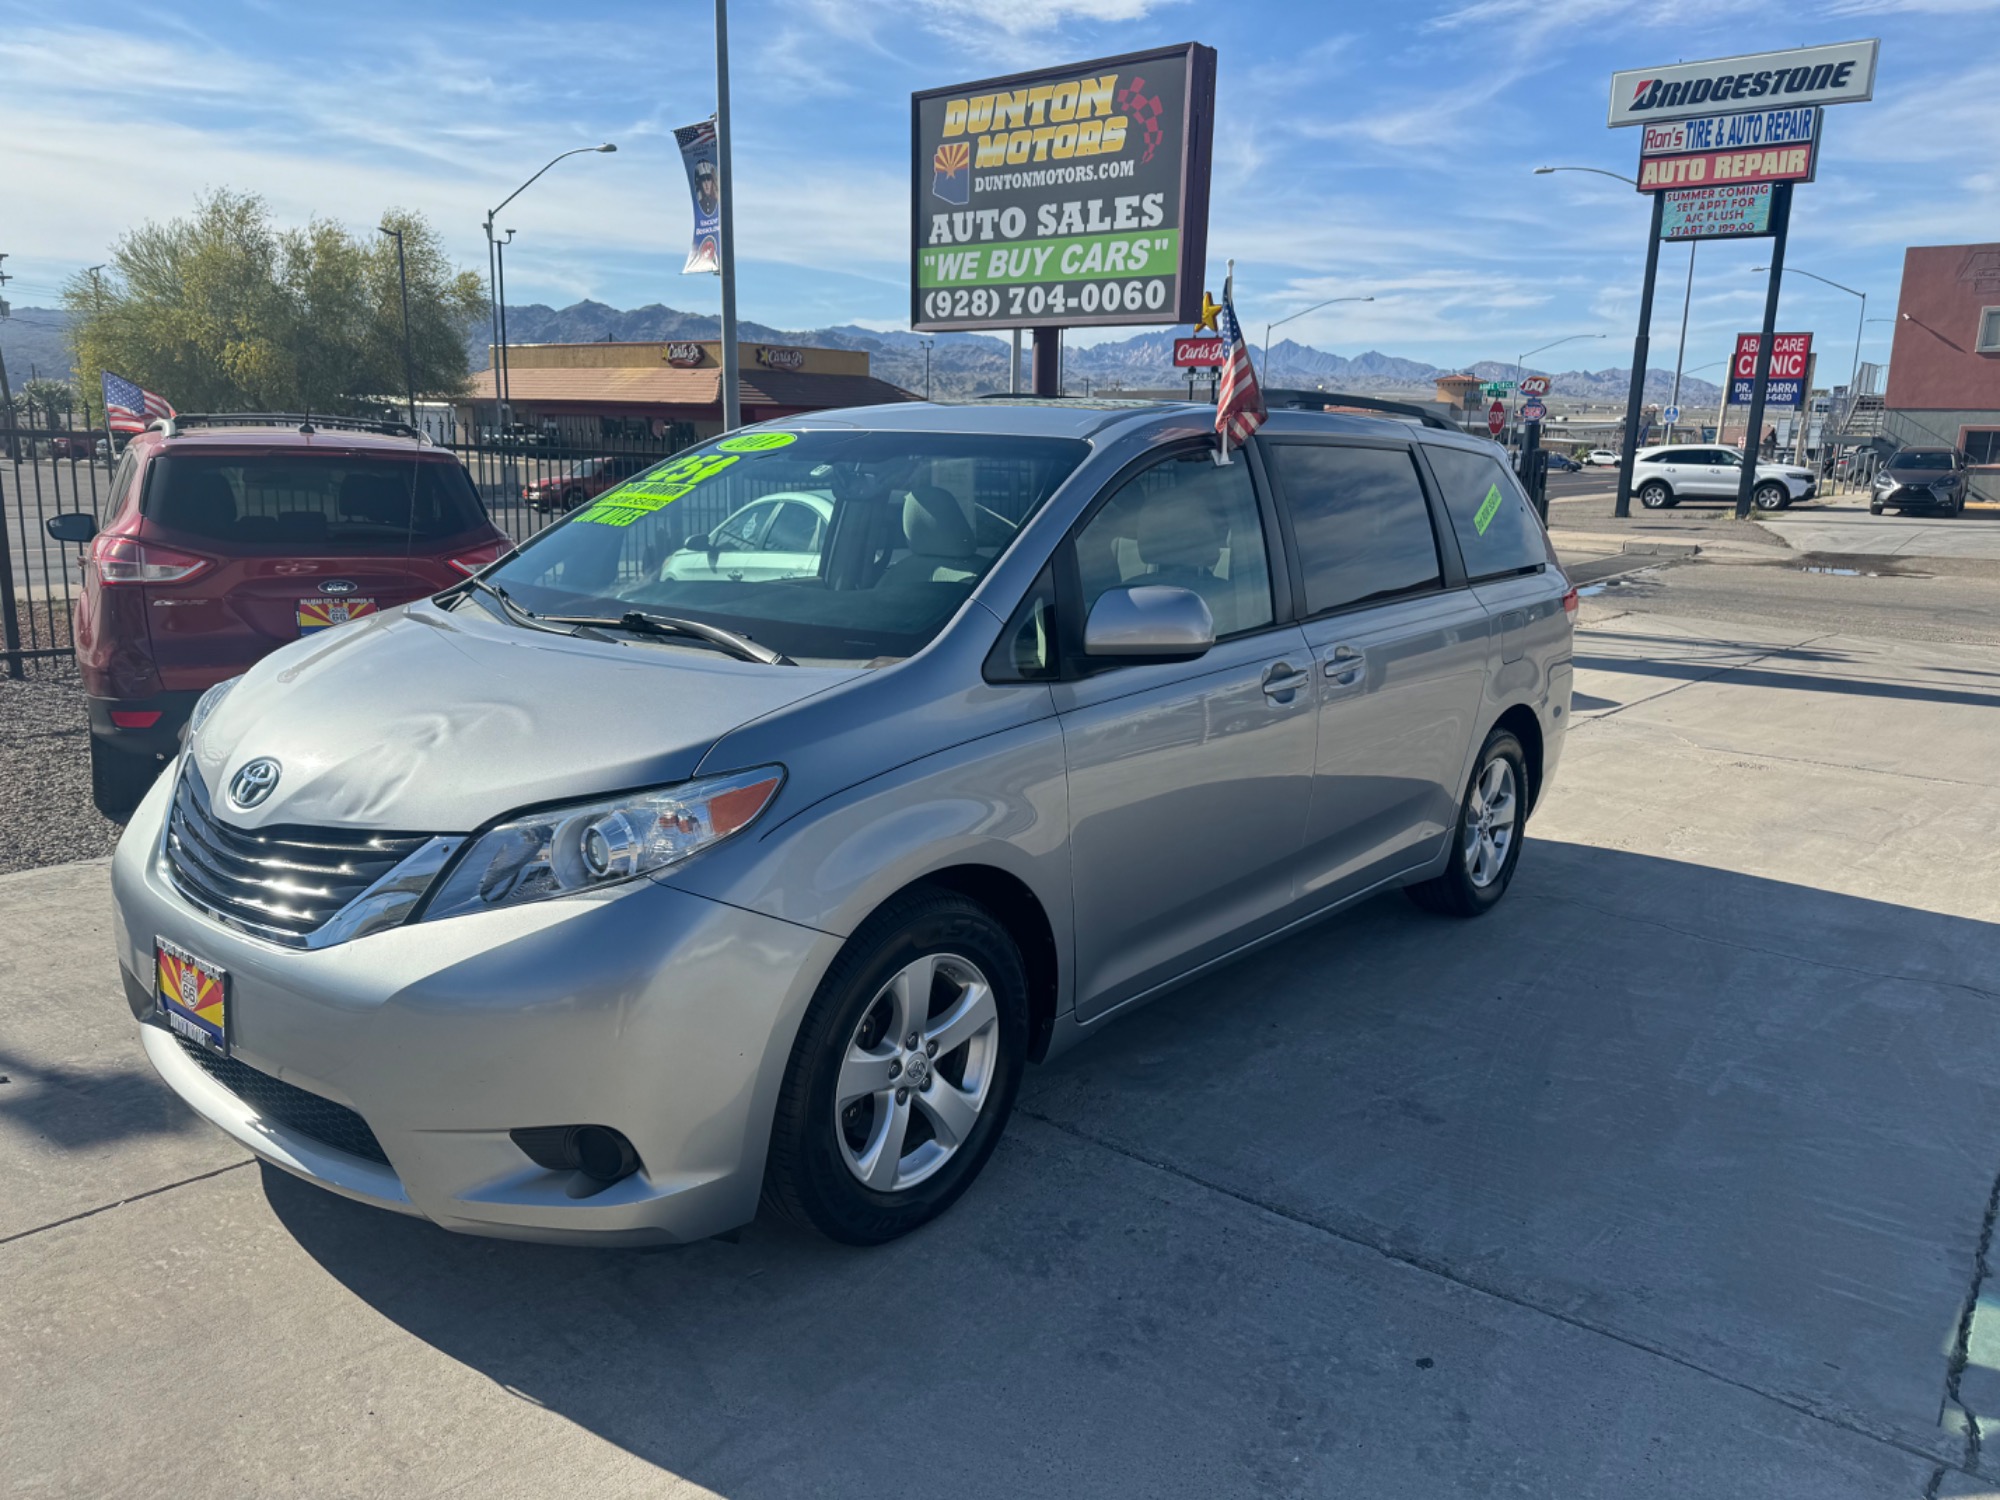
(1496, 417)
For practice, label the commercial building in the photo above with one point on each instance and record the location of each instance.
(671, 390)
(1944, 368)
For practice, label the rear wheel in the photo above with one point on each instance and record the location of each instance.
(1769, 497)
(1486, 841)
(903, 1073)
(119, 779)
(1654, 495)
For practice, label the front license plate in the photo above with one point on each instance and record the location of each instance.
(193, 995)
(324, 614)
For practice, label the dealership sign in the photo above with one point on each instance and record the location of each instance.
(1843, 73)
(1070, 196)
(1731, 211)
(1764, 145)
(1791, 361)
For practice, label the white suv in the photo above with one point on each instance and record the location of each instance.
(1665, 476)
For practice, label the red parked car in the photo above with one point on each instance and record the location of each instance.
(227, 537)
(570, 484)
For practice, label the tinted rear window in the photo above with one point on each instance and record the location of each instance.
(311, 499)
(1497, 530)
(1362, 526)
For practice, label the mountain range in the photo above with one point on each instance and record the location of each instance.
(961, 364)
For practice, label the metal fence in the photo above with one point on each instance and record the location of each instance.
(50, 463)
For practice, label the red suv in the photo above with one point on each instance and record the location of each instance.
(570, 484)
(226, 537)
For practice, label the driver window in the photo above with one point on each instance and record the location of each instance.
(1187, 523)
(741, 531)
(794, 529)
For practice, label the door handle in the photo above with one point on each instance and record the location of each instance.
(1346, 666)
(1282, 681)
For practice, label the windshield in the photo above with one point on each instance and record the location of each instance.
(284, 500)
(1921, 458)
(831, 546)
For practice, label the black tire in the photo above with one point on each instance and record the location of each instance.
(119, 779)
(806, 1177)
(1455, 893)
(1770, 497)
(1654, 495)
(1874, 510)
(571, 500)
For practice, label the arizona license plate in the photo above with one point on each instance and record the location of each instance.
(324, 614)
(193, 995)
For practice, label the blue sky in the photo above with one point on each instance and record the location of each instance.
(1362, 149)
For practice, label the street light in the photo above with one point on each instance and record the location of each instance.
(927, 366)
(1299, 314)
(403, 278)
(1544, 171)
(1855, 373)
(493, 273)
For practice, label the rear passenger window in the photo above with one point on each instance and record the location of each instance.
(1360, 519)
(1498, 531)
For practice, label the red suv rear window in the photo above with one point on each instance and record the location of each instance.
(311, 499)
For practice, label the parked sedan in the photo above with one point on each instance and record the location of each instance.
(1599, 458)
(568, 485)
(1563, 463)
(1920, 478)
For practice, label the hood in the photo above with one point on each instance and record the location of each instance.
(423, 720)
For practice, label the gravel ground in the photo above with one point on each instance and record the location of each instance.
(45, 775)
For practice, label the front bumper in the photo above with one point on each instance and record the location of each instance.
(660, 1013)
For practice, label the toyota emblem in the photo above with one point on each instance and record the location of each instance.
(254, 782)
(338, 586)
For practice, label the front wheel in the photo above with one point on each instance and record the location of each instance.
(1769, 497)
(903, 1073)
(1874, 509)
(1655, 496)
(1486, 841)
(119, 779)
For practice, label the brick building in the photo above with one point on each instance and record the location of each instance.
(1944, 368)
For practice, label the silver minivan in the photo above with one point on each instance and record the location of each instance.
(617, 889)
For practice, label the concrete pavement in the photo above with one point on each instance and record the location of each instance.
(1667, 1178)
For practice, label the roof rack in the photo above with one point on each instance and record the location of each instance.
(306, 422)
(1328, 400)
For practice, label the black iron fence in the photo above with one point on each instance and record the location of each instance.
(50, 464)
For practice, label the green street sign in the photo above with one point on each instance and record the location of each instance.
(1496, 388)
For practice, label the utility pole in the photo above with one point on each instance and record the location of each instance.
(732, 402)
(1680, 357)
(1753, 436)
(506, 385)
(1641, 347)
(493, 299)
(927, 366)
(409, 365)
(10, 614)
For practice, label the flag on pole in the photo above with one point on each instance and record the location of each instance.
(131, 408)
(1239, 403)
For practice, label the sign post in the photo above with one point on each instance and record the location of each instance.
(1628, 447)
(1753, 436)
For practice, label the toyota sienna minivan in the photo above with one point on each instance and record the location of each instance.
(612, 891)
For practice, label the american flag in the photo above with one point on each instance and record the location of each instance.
(1239, 404)
(131, 408)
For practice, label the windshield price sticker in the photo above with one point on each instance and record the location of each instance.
(655, 490)
(757, 442)
(1077, 193)
(1488, 509)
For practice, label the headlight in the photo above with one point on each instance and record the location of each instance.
(563, 850)
(206, 704)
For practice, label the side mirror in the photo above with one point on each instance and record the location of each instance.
(73, 526)
(1149, 622)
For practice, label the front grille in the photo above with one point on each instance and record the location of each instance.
(281, 883)
(328, 1123)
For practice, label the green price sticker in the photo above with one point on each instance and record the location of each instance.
(655, 490)
(758, 442)
(1488, 509)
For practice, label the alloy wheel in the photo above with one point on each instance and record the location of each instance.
(1489, 823)
(916, 1072)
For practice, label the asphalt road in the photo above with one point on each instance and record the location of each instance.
(1671, 1177)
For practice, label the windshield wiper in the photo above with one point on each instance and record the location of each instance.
(513, 611)
(641, 623)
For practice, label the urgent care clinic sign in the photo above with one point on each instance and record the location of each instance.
(1791, 361)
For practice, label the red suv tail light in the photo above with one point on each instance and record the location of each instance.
(478, 557)
(124, 559)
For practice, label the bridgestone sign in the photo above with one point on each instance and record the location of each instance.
(1843, 73)
(1073, 196)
